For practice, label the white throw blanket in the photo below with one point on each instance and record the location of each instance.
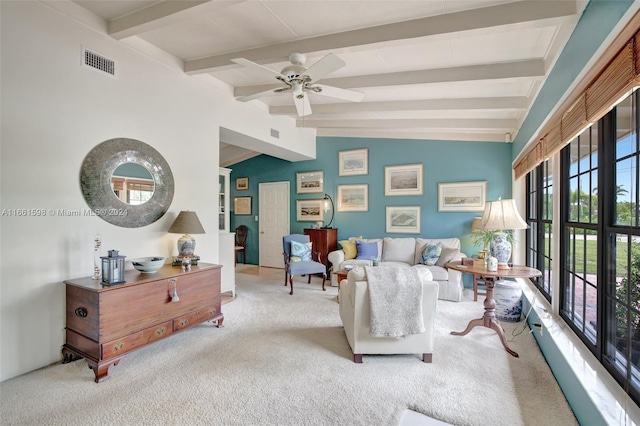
(396, 301)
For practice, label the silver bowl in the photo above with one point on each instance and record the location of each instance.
(148, 265)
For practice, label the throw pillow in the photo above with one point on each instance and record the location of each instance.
(447, 255)
(349, 249)
(300, 252)
(430, 254)
(366, 251)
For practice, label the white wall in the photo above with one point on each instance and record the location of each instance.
(53, 113)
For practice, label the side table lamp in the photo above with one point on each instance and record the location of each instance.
(186, 223)
(502, 215)
(478, 231)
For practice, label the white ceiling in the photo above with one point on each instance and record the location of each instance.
(429, 69)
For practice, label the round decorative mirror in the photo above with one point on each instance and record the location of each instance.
(126, 182)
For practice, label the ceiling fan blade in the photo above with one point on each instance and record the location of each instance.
(264, 70)
(261, 94)
(303, 106)
(325, 66)
(337, 92)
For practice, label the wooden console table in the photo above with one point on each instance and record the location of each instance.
(104, 323)
(489, 318)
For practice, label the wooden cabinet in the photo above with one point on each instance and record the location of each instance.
(324, 241)
(104, 323)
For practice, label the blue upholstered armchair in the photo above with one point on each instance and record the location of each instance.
(299, 259)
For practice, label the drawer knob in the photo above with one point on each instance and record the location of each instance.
(81, 312)
(119, 346)
(160, 331)
(184, 322)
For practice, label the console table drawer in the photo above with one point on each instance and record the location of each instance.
(194, 318)
(120, 346)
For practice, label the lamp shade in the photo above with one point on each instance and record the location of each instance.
(187, 222)
(476, 225)
(502, 214)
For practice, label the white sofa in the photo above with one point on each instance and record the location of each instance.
(355, 313)
(406, 251)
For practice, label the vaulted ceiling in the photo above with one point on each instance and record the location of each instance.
(429, 69)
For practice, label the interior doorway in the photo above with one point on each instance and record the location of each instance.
(273, 222)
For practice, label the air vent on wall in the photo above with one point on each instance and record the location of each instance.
(98, 62)
(275, 134)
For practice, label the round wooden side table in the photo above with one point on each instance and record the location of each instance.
(489, 319)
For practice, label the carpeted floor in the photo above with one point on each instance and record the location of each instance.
(284, 360)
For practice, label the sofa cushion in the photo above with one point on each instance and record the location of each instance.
(430, 254)
(300, 252)
(446, 243)
(447, 255)
(398, 250)
(378, 241)
(393, 263)
(438, 272)
(366, 251)
(349, 249)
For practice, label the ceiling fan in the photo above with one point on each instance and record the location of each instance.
(300, 80)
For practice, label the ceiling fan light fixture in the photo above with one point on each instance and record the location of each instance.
(298, 79)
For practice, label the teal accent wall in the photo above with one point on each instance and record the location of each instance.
(596, 22)
(443, 161)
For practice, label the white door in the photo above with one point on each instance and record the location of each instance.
(273, 222)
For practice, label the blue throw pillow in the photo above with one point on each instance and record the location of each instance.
(366, 251)
(431, 254)
(301, 251)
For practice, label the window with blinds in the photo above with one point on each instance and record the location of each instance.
(613, 83)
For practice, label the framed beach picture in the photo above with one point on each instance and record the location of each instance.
(353, 162)
(242, 205)
(403, 219)
(309, 182)
(462, 196)
(353, 198)
(242, 183)
(403, 180)
(309, 210)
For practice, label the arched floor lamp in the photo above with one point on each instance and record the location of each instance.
(327, 200)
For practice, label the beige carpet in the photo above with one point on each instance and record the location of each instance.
(284, 360)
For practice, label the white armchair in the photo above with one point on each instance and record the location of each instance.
(355, 313)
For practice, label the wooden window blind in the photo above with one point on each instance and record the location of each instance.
(118, 183)
(614, 81)
(140, 185)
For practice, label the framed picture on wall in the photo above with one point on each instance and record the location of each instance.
(309, 210)
(242, 205)
(462, 196)
(242, 183)
(353, 198)
(309, 182)
(403, 219)
(353, 162)
(403, 180)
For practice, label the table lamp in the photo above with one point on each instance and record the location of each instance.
(502, 215)
(186, 223)
(328, 201)
(478, 231)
